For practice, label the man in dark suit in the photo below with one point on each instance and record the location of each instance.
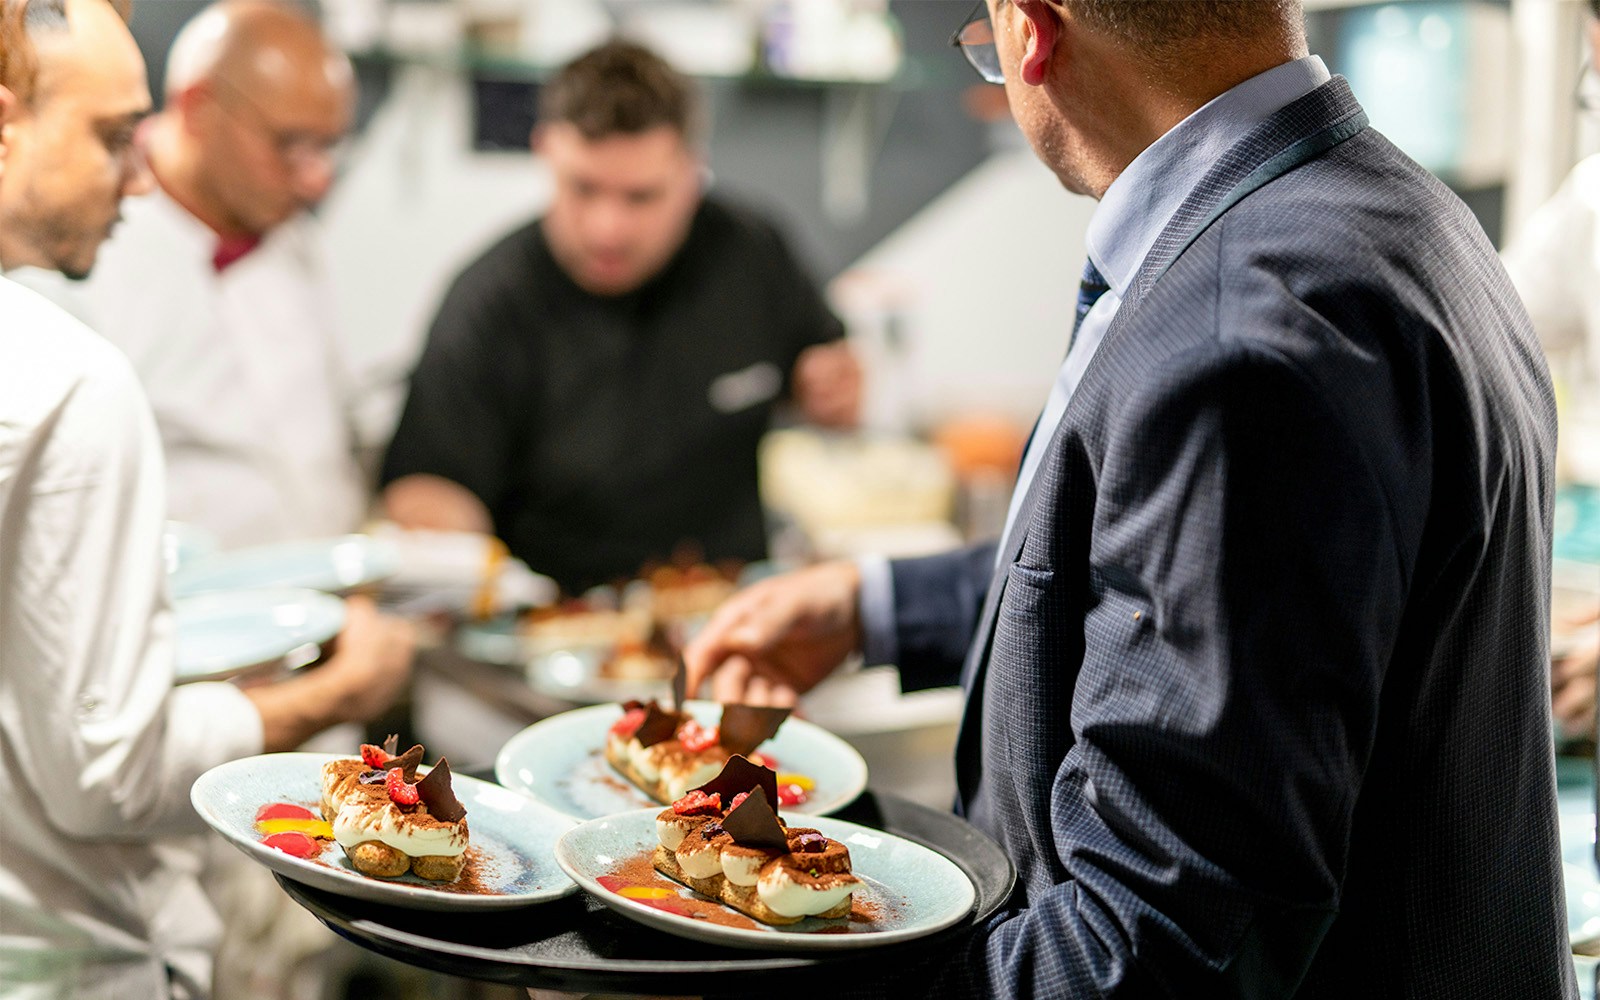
(1257, 680)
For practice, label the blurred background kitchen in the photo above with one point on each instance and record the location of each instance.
(900, 185)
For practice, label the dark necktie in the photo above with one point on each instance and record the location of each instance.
(1090, 287)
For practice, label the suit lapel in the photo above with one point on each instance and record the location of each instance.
(1296, 123)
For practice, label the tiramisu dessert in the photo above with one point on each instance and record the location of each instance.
(388, 821)
(743, 856)
(666, 752)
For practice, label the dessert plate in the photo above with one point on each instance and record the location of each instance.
(561, 762)
(908, 890)
(333, 565)
(515, 837)
(230, 633)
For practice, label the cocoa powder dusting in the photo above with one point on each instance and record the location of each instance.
(640, 871)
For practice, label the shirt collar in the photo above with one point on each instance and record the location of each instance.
(1144, 197)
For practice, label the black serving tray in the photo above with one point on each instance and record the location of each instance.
(577, 944)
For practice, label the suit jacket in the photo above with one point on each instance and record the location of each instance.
(1258, 697)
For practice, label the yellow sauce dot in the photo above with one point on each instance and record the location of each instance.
(320, 828)
(805, 783)
(645, 892)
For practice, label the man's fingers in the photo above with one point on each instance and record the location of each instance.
(729, 682)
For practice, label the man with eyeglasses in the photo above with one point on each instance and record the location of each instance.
(214, 285)
(1256, 678)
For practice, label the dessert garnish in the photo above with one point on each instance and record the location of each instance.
(745, 727)
(752, 823)
(292, 829)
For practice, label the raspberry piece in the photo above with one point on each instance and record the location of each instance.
(698, 803)
(738, 799)
(763, 760)
(373, 756)
(400, 793)
(696, 737)
(791, 795)
(629, 724)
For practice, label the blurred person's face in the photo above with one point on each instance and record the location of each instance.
(622, 204)
(70, 151)
(268, 146)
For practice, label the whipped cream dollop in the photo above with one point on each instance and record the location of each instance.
(358, 822)
(795, 897)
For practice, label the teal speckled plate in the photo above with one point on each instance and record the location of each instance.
(561, 762)
(913, 890)
(515, 835)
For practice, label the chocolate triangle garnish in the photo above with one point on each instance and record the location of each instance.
(754, 824)
(407, 762)
(659, 725)
(740, 775)
(745, 727)
(435, 792)
(680, 682)
(391, 744)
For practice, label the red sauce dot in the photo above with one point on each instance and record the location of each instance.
(612, 882)
(283, 810)
(297, 844)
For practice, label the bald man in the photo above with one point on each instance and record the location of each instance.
(213, 285)
(98, 749)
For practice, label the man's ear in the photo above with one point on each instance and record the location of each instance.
(1043, 29)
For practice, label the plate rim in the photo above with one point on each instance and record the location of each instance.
(502, 764)
(746, 938)
(333, 604)
(330, 879)
(181, 581)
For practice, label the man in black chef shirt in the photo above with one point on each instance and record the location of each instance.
(594, 387)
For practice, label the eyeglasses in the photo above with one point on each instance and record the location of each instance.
(975, 39)
(298, 150)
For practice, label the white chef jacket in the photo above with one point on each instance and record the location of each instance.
(1555, 264)
(249, 387)
(97, 748)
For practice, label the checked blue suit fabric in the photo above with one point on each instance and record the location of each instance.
(1257, 693)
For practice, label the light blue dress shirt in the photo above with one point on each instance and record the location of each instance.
(1130, 217)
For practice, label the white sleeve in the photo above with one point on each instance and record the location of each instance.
(88, 712)
(1550, 264)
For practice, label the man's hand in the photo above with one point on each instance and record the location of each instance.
(827, 385)
(1572, 682)
(777, 639)
(358, 682)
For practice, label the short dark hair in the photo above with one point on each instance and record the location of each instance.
(1164, 26)
(621, 88)
(21, 21)
(1594, 7)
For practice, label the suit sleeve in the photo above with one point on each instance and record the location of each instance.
(456, 423)
(1227, 702)
(936, 603)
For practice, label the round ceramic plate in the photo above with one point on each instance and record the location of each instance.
(909, 890)
(514, 836)
(332, 565)
(561, 762)
(183, 543)
(225, 634)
